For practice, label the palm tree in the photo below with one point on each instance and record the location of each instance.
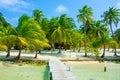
(62, 30)
(57, 36)
(8, 37)
(37, 44)
(37, 14)
(95, 45)
(97, 29)
(112, 16)
(84, 16)
(29, 29)
(104, 40)
(117, 39)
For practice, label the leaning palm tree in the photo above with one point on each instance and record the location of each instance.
(85, 16)
(8, 37)
(112, 16)
(21, 43)
(29, 29)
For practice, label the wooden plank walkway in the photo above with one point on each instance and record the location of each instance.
(59, 71)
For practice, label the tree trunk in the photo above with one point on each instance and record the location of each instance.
(111, 29)
(8, 53)
(19, 54)
(36, 54)
(103, 52)
(59, 48)
(79, 47)
(115, 52)
(85, 41)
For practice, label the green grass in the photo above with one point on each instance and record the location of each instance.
(96, 71)
(23, 72)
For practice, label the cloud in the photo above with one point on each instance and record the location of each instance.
(61, 9)
(118, 5)
(14, 5)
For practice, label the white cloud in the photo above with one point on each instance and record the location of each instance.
(14, 5)
(118, 5)
(61, 9)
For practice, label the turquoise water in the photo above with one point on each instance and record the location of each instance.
(96, 71)
(24, 73)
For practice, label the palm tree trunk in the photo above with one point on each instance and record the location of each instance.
(111, 29)
(8, 53)
(79, 47)
(115, 52)
(103, 52)
(85, 41)
(59, 48)
(19, 54)
(36, 54)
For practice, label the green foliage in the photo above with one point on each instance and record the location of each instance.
(111, 16)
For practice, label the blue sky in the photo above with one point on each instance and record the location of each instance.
(13, 9)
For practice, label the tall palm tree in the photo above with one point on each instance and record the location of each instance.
(85, 16)
(62, 30)
(112, 16)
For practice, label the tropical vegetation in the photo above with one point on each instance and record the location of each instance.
(38, 32)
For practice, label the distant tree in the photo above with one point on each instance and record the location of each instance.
(37, 14)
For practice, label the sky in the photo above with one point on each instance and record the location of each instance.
(13, 9)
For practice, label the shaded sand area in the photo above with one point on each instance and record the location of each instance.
(12, 71)
(94, 70)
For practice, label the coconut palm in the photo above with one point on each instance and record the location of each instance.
(85, 16)
(29, 29)
(97, 29)
(37, 14)
(37, 44)
(62, 30)
(112, 16)
(95, 45)
(104, 40)
(8, 37)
